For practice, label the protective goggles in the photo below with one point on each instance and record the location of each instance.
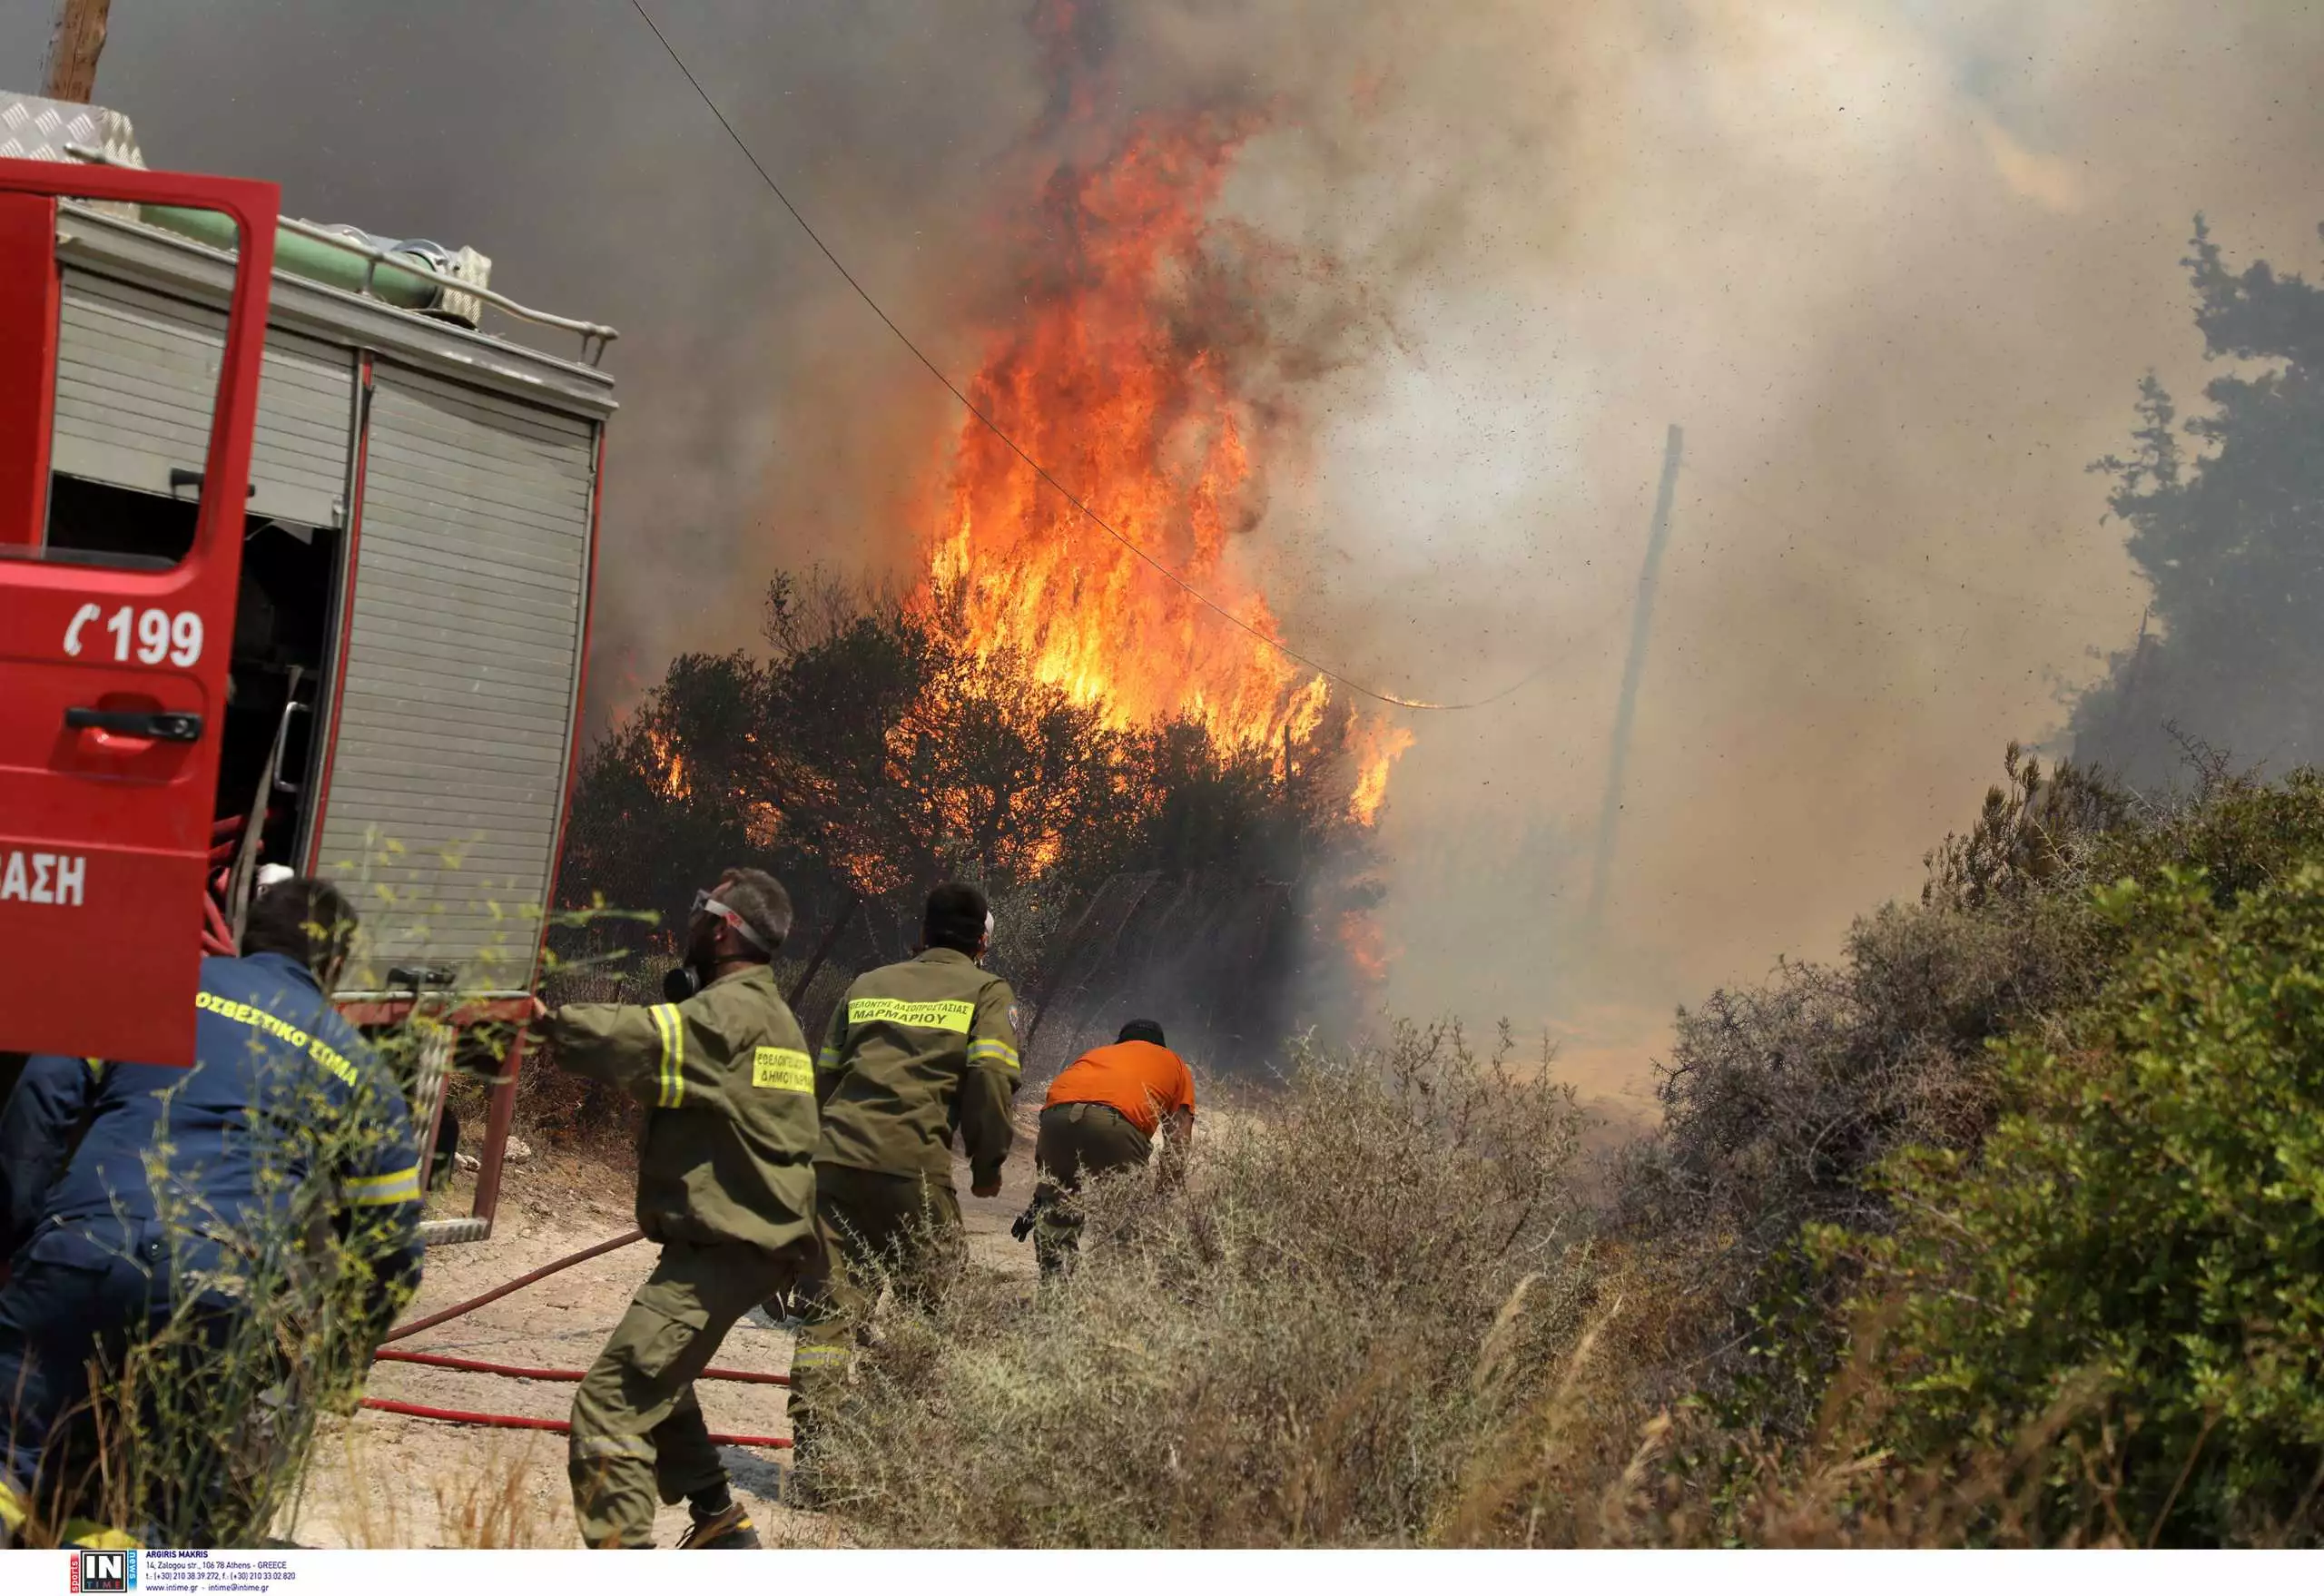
(704, 903)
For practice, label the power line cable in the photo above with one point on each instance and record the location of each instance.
(1014, 447)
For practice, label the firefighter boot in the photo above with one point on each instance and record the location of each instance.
(720, 1523)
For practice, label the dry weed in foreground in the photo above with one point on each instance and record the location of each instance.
(367, 1508)
(490, 1508)
(1315, 1341)
(1375, 1317)
(368, 1501)
(1694, 1482)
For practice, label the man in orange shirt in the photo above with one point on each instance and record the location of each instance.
(1103, 1112)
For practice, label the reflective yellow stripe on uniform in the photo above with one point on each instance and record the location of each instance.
(990, 1050)
(15, 1507)
(673, 1030)
(372, 1191)
(807, 1357)
(611, 1446)
(945, 1014)
(828, 1058)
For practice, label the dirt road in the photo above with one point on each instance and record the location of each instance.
(386, 1480)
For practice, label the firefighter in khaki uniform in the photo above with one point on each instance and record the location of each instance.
(725, 1183)
(914, 1052)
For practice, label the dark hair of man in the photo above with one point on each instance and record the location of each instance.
(764, 906)
(304, 919)
(956, 917)
(1142, 1031)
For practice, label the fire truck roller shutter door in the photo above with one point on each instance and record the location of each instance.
(136, 380)
(463, 640)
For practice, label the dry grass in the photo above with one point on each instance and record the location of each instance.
(360, 1496)
(1377, 1314)
(491, 1508)
(1595, 1461)
(1308, 1344)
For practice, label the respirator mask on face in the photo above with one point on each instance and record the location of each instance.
(687, 980)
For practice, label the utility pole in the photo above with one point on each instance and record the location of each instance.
(1626, 709)
(70, 72)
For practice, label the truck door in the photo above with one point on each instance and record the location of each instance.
(116, 618)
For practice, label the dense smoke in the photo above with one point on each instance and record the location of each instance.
(1898, 270)
(1897, 266)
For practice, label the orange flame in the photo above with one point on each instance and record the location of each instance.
(1097, 385)
(669, 764)
(1115, 387)
(1366, 946)
(1378, 746)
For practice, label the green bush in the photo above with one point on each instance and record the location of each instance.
(2134, 1260)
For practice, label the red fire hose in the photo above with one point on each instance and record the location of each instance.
(497, 1292)
(437, 1360)
(515, 1422)
(519, 1372)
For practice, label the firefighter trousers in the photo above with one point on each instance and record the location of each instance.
(1076, 1141)
(901, 1232)
(74, 1299)
(638, 1432)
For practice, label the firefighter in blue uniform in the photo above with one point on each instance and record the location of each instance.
(136, 1196)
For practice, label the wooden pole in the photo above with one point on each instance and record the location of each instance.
(498, 1117)
(1626, 707)
(70, 72)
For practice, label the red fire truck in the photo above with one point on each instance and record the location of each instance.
(295, 569)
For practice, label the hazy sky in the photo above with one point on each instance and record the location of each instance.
(1896, 264)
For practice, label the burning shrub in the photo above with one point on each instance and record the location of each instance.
(1315, 1341)
(1086, 681)
(872, 754)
